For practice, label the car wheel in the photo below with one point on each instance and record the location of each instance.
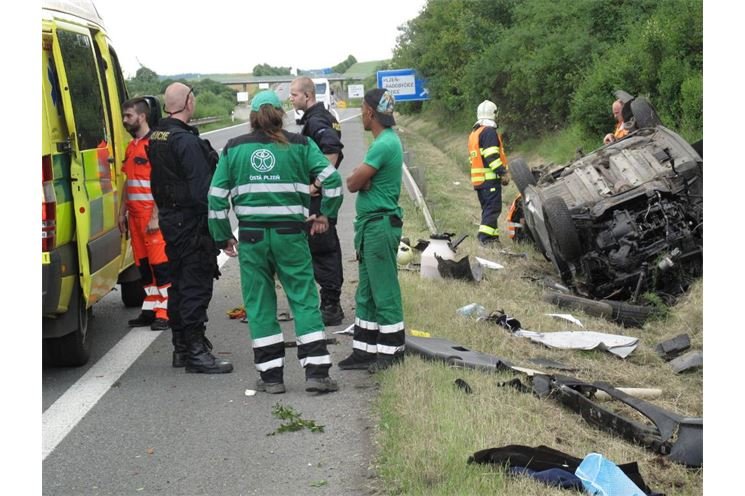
(521, 174)
(73, 349)
(133, 294)
(561, 230)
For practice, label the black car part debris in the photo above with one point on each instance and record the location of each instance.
(460, 383)
(460, 269)
(454, 354)
(678, 437)
(673, 347)
(542, 458)
(690, 361)
(617, 311)
(502, 319)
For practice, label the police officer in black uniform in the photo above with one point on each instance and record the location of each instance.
(323, 128)
(182, 168)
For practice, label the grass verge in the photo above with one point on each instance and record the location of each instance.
(428, 428)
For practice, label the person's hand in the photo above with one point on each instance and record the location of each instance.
(315, 190)
(122, 221)
(505, 179)
(152, 225)
(320, 224)
(609, 138)
(232, 249)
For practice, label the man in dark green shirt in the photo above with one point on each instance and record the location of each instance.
(379, 324)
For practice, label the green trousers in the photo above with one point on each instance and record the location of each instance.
(264, 252)
(378, 323)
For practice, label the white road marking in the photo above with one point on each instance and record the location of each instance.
(60, 418)
(70, 408)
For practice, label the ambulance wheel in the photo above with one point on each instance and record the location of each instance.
(72, 349)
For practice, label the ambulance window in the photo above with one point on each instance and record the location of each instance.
(320, 88)
(85, 90)
(120, 87)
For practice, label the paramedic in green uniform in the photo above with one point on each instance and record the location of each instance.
(266, 174)
(379, 320)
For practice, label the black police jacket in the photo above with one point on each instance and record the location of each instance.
(321, 126)
(182, 169)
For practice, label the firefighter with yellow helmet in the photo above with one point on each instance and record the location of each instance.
(488, 170)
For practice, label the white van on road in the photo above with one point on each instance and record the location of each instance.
(323, 94)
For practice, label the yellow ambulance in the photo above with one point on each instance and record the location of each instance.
(84, 255)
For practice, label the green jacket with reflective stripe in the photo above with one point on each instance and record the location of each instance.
(267, 181)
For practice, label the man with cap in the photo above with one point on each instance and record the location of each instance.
(488, 170)
(323, 128)
(379, 337)
(182, 167)
(265, 174)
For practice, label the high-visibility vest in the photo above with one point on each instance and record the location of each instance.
(476, 154)
(137, 168)
(620, 131)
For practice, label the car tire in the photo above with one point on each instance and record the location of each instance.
(73, 349)
(521, 174)
(133, 294)
(561, 230)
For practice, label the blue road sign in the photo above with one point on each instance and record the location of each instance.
(403, 85)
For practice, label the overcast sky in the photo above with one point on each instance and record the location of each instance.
(225, 36)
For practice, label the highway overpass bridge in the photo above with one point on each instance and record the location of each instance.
(242, 83)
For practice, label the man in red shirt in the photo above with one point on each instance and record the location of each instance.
(138, 206)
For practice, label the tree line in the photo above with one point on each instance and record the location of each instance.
(550, 64)
(215, 99)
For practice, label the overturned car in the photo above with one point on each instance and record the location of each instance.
(625, 219)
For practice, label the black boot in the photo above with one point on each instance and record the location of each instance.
(145, 318)
(332, 313)
(199, 359)
(180, 350)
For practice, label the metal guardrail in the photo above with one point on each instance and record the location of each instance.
(203, 120)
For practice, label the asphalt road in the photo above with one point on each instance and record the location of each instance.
(157, 430)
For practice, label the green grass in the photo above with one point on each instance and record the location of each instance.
(364, 67)
(428, 428)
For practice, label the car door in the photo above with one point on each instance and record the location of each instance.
(94, 196)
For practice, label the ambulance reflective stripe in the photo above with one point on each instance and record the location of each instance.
(217, 214)
(280, 210)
